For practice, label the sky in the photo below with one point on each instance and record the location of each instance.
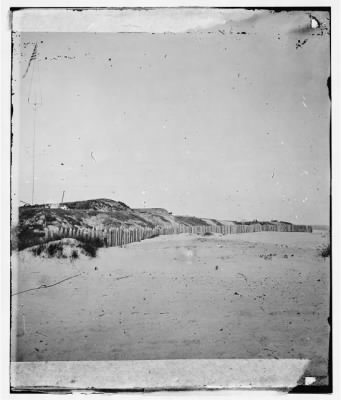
(224, 115)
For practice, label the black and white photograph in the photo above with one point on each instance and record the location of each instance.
(171, 199)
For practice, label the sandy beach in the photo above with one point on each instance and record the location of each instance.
(252, 295)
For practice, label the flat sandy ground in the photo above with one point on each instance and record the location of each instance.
(174, 297)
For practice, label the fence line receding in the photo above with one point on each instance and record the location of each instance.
(123, 236)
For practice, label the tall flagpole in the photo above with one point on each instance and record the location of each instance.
(34, 150)
(34, 97)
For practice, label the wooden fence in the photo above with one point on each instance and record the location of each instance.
(122, 236)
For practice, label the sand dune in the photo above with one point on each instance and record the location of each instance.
(253, 295)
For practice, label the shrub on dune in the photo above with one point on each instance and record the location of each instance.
(325, 251)
(90, 246)
(74, 255)
(68, 248)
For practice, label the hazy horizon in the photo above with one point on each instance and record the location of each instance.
(207, 121)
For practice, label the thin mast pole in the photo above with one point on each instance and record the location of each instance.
(35, 101)
(34, 151)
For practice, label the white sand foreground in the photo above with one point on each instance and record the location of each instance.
(176, 297)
